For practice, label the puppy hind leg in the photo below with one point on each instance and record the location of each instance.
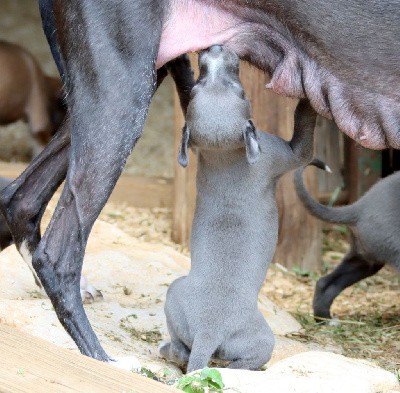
(352, 269)
(176, 352)
(253, 357)
(251, 347)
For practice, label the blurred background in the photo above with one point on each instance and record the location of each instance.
(20, 23)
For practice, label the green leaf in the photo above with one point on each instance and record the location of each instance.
(214, 377)
(184, 381)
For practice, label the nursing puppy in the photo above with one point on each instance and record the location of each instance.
(213, 310)
(374, 222)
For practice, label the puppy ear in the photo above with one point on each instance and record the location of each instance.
(251, 142)
(183, 157)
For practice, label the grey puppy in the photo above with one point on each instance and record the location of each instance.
(374, 222)
(213, 310)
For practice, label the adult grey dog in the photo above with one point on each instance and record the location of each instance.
(5, 235)
(374, 222)
(214, 309)
(342, 55)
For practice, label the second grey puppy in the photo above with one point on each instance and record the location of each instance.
(374, 222)
(213, 310)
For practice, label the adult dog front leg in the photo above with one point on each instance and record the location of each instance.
(108, 104)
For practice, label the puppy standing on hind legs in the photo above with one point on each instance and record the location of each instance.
(213, 311)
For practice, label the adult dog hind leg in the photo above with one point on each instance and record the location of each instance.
(23, 202)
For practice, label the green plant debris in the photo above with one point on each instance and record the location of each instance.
(112, 336)
(366, 337)
(305, 273)
(148, 373)
(150, 336)
(207, 380)
(36, 294)
(127, 291)
(115, 214)
(21, 372)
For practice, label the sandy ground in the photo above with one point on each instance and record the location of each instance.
(370, 310)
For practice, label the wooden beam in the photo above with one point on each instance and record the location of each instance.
(137, 191)
(31, 365)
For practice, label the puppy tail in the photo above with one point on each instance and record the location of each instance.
(204, 346)
(338, 215)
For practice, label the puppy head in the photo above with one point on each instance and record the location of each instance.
(219, 112)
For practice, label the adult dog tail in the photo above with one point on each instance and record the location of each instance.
(337, 215)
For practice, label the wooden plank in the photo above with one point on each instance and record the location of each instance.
(138, 191)
(141, 191)
(29, 365)
(11, 170)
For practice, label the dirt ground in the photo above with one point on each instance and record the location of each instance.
(369, 311)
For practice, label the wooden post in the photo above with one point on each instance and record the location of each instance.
(329, 148)
(364, 168)
(184, 200)
(299, 242)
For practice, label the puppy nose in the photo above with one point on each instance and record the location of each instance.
(215, 49)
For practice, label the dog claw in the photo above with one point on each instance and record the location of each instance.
(89, 293)
(87, 297)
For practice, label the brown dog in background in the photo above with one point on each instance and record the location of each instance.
(27, 94)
